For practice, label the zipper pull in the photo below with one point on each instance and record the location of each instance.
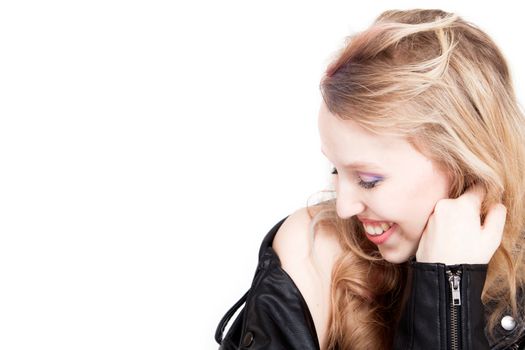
(455, 280)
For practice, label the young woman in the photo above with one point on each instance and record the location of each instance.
(422, 248)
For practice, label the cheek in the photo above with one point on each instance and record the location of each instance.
(414, 203)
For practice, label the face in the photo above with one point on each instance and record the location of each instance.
(393, 186)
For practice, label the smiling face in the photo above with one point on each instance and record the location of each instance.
(400, 186)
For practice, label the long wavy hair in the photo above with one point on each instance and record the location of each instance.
(442, 83)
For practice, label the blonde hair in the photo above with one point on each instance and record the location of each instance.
(442, 83)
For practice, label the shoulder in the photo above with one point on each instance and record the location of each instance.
(292, 241)
(308, 260)
(295, 242)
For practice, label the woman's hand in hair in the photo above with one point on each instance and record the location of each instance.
(454, 234)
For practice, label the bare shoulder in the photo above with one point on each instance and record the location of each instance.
(294, 243)
(308, 261)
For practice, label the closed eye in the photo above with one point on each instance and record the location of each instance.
(365, 184)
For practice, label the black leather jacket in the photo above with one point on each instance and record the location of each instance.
(276, 315)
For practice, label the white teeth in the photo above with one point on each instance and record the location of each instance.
(377, 230)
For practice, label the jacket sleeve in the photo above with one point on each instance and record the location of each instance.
(443, 308)
(275, 315)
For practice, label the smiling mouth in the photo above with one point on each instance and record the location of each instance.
(377, 229)
(383, 236)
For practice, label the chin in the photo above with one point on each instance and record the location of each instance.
(394, 257)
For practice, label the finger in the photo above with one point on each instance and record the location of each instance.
(475, 194)
(495, 219)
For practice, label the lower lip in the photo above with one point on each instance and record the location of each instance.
(380, 239)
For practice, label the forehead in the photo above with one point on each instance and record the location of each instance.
(337, 135)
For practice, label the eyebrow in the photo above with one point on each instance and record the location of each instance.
(359, 164)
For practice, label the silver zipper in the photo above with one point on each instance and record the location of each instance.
(454, 279)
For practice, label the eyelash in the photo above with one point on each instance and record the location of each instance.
(366, 185)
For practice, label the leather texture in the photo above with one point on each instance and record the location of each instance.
(275, 315)
(430, 294)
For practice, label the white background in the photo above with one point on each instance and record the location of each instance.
(146, 147)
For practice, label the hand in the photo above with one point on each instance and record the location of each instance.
(454, 234)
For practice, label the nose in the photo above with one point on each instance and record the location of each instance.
(347, 209)
(348, 202)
